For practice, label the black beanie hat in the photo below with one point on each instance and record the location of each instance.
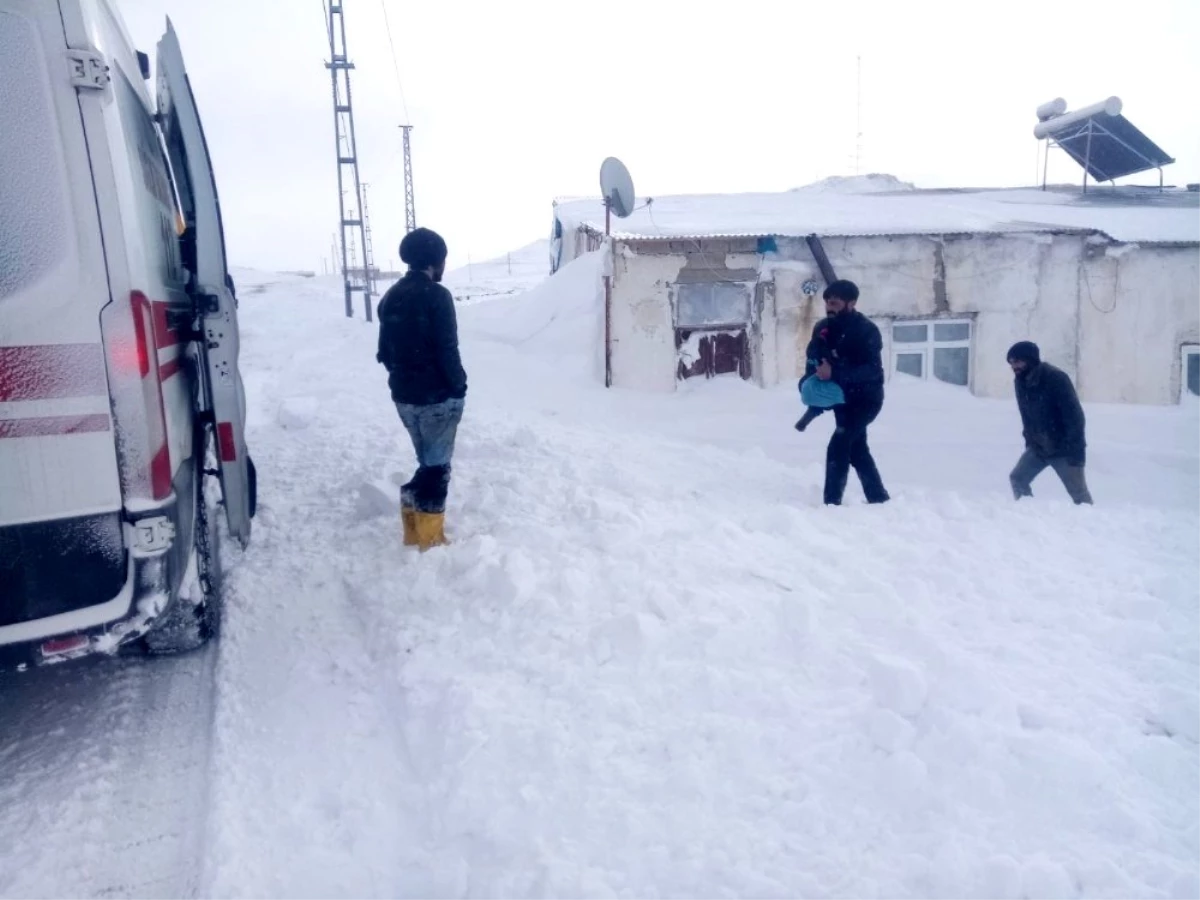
(423, 248)
(1026, 350)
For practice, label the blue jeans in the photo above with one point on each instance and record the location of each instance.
(433, 429)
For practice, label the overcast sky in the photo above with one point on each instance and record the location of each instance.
(516, 103)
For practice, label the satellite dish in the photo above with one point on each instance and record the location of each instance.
(617, 187)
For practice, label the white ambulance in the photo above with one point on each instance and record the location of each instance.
(122, 412)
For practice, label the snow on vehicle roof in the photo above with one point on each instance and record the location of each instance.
(883, 205)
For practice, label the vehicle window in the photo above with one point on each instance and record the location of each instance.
(157, 212)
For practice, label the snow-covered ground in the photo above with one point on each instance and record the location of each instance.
(651, 663)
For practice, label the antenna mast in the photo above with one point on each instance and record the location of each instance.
(369, 270)
(351, 208)
(858, 127)
(410, 206)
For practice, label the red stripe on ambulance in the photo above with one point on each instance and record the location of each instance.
(52, 372)
(45, 426)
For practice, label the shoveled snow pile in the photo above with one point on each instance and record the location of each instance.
(295, 413)
(652, 664)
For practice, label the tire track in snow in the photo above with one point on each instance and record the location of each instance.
(310, 759)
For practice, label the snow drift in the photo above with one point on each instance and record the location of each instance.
(651, 663)
(560, 322)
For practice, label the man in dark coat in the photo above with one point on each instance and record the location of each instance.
(1052, 423)
(856, 348)
(418, 345)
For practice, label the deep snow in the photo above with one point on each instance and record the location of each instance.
(651, 664)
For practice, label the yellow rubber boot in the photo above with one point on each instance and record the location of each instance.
(408, 516)
(430, 529)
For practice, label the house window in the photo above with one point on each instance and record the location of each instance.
(1189, 371)
(911, 364)
(941, 347)
(712, 305)
(712, 324)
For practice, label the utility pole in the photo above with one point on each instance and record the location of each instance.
(410, 206)
(351, 207)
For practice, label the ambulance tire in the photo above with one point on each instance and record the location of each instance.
(194, 613)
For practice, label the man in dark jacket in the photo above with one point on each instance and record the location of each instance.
(1052, 422)
(418, 345)
(857, 368)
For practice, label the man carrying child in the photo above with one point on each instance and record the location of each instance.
(846, 356)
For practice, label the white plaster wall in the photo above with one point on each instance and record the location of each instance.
(764, 336)
(1106, 330)
(1020, 288)
(741, 260)
(894, 274)
(795, 315)
(643, 346)
(1138, 306)
(1117, 332)
(1015, 287)
(895, 277)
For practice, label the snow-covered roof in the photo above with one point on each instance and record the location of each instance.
(854, 207)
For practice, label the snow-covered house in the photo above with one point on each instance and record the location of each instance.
(1108, 283)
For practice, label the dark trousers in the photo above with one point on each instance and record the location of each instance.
(848, 447)
(1031, 465)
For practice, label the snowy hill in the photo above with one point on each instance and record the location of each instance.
(856, 184)
(504, 277)
(651, 664)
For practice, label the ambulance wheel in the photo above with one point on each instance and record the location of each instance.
(194, 614)
(252, 473)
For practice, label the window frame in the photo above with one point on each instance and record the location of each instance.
(747, 290)
(922, 353)
(1185, 351)
(157, 207)
(927, 349)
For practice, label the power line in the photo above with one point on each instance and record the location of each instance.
(395, 62)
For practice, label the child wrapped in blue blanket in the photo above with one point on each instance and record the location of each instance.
(816, 394)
